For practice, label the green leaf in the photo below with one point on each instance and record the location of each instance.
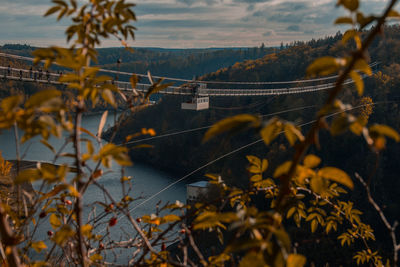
(336, 175)
(232, 124)
(295, 260)
(311, 161)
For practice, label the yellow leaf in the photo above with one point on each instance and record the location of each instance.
(292, 134)
(362, 66)
(101, 125)
(39, 246)
(264, 165)
(358, 81)
(41, 97)
(256, 178)
(318, 185)
(314, 225)
(351, 5)
(171, 218)
(254, 169)
(311, 161)
(28, 175)
(87, 230)
(385, 130)
(344, 20)
(108, 97)
(394, 14)
(54, 221)
(352, 34)
(96, 257)
(232, 124)
(295, 260)
(63, 235)
(325, 66)
(254, 160)
(253, 259)
(282, 169)
(8, 104)
(336, 175)
(271, 130)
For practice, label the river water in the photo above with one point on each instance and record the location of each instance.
(146, 180)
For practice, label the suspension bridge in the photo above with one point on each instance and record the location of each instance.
(290, 87)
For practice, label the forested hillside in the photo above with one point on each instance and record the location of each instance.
(185, 152)
(181, 63)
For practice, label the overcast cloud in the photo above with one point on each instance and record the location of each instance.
(191, 23)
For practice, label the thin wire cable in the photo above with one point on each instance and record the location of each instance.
(209, 126)
(239, 149)
(253, 105)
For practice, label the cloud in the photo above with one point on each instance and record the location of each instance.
(191, 23)
(191, 2)
(269, 33)
(293, 28)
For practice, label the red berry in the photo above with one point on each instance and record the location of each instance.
(101, 246)
(42, 214)
(112, 222)
(182, 231)
(50, 233)
(138, 220)
(68, 202)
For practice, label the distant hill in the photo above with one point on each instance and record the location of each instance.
(181, 63)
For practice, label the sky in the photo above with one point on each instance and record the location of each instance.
(191, 23)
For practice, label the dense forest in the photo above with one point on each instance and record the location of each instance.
(185, 152)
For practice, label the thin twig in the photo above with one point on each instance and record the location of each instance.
(391, 228)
